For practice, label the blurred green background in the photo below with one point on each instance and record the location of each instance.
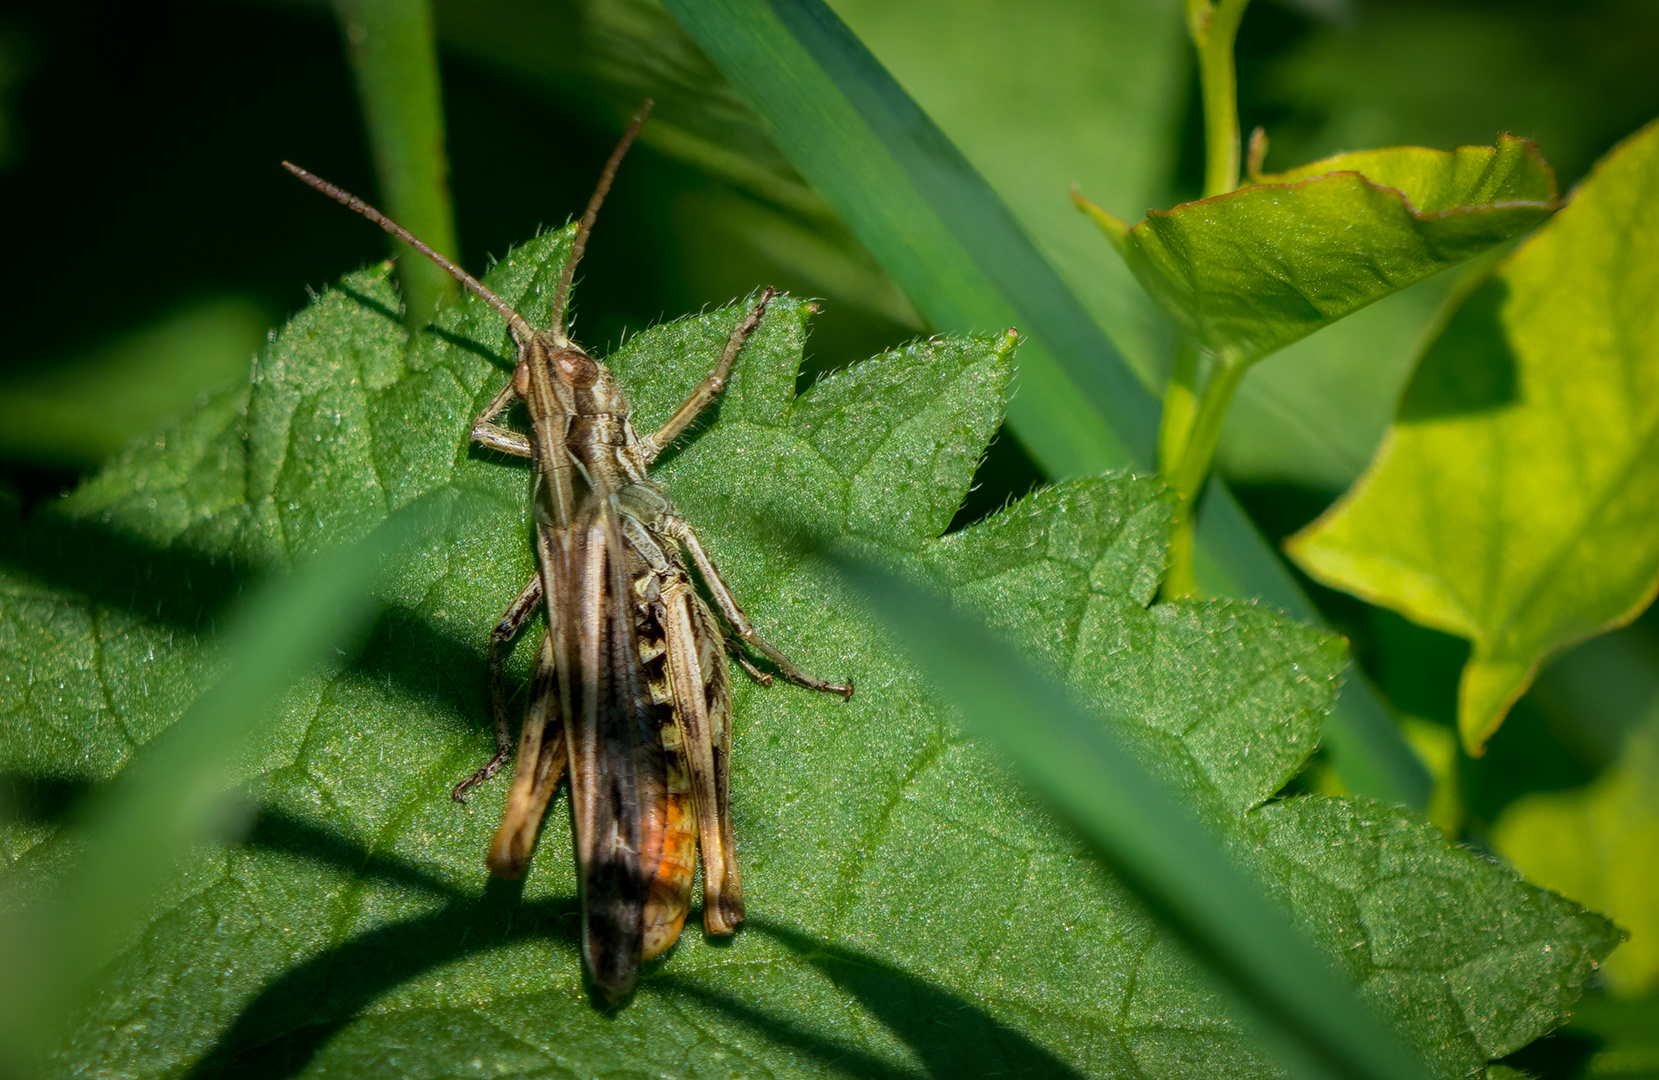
(138, 155)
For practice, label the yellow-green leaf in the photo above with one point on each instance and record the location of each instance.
(1249, 272)
(1516, 499)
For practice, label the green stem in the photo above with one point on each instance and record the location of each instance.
(394, 56)
(1214, 28)
(1193, 468)
(1188, 434)
(1180, 408)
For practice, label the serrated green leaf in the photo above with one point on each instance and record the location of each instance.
(912, 909)
(1249, 272)
(171, 793)
(1513, 500)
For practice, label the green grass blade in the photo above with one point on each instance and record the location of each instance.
(949, 241)
(931, 220)
(1145, 831)
(394, 56)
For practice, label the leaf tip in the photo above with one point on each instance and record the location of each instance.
(1007, 343)
(1486, 692)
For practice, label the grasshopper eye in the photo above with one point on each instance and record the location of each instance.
(576, 369)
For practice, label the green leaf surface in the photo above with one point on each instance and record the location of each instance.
(1513, 501)
(1152, 839)
(171, 794)
(1596, 845)
(1249, 272)
(912, 909)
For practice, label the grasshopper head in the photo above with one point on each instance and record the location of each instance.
(563, 357)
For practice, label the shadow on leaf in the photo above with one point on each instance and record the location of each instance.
(1470, 368)
(279, 1032)
(949, 1034)
(191, 592)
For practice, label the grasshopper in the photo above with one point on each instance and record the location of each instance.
(630, 685)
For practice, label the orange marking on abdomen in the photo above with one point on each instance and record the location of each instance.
(669, 899)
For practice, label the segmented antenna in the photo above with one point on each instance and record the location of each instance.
(562, 296)
(521, 329)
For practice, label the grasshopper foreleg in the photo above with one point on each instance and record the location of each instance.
(486, 432)
(709, 389)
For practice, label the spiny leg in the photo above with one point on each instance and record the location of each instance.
(709, 388)
(501, 638)
(541, 762)
(486, 432)
(721, 594)
(702, 714)
(741, 658)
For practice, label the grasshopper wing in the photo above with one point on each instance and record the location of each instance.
(617, 771)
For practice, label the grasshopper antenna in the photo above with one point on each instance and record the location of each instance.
(562, 296)
(521, 328)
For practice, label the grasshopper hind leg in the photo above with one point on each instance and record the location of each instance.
(680, 530)
(542, 755)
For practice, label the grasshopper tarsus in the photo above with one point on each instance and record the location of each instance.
(764, 678)
(459, 792)
(630, 687)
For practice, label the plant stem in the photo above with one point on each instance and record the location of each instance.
(395, 59)
(1188, 473)
(1214, 28)
(1188, 433)
(1180, 407)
